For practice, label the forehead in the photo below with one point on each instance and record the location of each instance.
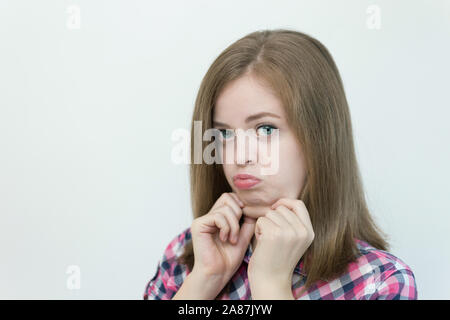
(243, 97)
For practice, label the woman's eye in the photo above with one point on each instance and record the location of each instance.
(226, 133)
(266, 129)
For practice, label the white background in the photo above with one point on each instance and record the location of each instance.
(86, 117)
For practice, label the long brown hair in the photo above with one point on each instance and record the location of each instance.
(302, 73)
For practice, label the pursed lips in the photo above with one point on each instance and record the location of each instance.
(245, 181)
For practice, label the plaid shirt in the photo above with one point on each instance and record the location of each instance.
(376, 274)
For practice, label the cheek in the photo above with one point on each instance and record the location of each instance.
(285, 151)
(292, 169)
(227, 154)
(227, 171)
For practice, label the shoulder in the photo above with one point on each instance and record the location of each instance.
(389, 276)
(169, 274)
(175, 247)
(378, 260)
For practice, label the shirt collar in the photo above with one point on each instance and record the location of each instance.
(299, 268)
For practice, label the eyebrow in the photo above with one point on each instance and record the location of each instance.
(250, 118)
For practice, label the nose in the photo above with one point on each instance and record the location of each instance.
(246, 148)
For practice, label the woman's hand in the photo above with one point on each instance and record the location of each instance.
(283, 234)
(219, 242)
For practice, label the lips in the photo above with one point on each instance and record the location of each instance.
(245, 181)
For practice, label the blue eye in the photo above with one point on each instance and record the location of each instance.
(226, 133)
(267, 129)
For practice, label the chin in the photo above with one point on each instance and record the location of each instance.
(255, 199)
(255, 208)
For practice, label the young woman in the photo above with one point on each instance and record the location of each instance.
(301, 232)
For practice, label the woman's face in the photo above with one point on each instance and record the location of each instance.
(238, 101)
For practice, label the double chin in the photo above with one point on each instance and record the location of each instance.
(255, 211)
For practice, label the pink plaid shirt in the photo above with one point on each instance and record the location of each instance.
(376, 274)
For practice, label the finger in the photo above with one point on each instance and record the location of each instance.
(299, 208)
(262, 226)
(231, 202)
(278, 219)
(219, 202)
(238, 200)
(222, 200)
(233, 222)
(222, 224)
(246, 232)
(290, 217)
(227, 200)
